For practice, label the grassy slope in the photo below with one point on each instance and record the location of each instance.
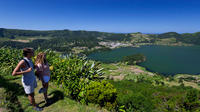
(60, 103)
(116, 69)
(130, 72)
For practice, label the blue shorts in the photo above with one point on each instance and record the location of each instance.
(46, 79)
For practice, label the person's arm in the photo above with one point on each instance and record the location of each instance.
(17, 71)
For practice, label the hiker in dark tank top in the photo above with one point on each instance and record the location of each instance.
(26, 68)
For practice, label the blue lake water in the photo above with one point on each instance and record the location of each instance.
(168, 60)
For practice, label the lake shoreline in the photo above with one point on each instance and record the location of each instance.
(113, 45)
(176, 53)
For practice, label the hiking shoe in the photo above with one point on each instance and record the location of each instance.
(48, 101)
(42, 90)
(37, 108)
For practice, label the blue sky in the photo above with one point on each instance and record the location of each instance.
(123, 16)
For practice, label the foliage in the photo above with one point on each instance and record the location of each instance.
(170, 78)
(154, 80)
(190, 38)
(192, 100)
(9, 59)
(169, 34)
(8, 98)
(70, 72)
(136, 102)
(80, 78)
(61, 44)
(66, 40)
(134, 96)
(189, 79)
(134, 59)
(102, 93)
(145, 97)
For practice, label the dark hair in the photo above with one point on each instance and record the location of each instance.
(27, 50)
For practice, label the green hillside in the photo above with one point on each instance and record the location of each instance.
(84, 85)
(87, 41)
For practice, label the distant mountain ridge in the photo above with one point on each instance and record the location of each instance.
(66, 40)
(8, 33)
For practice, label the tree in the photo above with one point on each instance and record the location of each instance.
(134, 59)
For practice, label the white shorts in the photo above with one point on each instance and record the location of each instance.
(29, 88)
(46, 78)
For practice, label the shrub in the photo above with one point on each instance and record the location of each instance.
(134, 59)
(171, 78)
(136, 102)
(154, 80)
(102, 93)
(73, 73)
(70, 72)
(9, 59)
(80, 79)
(192, 95)
(192, 100)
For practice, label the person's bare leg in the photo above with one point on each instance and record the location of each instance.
(45, 85)
(32, 99)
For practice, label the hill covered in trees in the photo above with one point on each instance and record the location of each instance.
(85, 41)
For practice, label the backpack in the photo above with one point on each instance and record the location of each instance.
(27, 63)
(30, 66)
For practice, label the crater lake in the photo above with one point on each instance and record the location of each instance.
(167, 60)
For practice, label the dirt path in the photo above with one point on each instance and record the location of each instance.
(136, 70)
(23, 41)
(123, 71)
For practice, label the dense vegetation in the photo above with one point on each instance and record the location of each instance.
(13, 33)
(59, 40)
(79, 77)
(65, 40)
(61, 44)
(81, 80)
(134, 59)
(144, 97)
(190, 38)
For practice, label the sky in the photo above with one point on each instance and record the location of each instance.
(119, 16)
